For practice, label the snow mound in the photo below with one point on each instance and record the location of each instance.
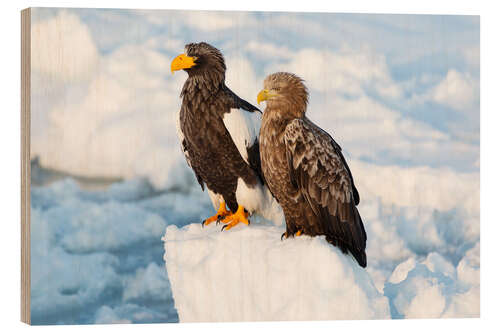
(96, 255)
(249, 274)
(434, 288)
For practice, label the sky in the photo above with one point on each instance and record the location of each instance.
(399, 93)
(392, 89)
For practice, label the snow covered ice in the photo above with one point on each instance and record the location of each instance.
(434, 288)
(249, 274)
(97, 255)
(423, 259)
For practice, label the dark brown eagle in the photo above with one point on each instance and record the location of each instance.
(306, 171)
(219, 137)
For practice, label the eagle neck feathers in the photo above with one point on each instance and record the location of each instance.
(277, 120)
(207, 84)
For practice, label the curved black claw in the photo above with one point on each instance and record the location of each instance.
(203, 223)
(224, 227)
(219, 218)
(284, 235)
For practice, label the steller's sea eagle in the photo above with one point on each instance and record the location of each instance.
(306, 171)
(219, 133)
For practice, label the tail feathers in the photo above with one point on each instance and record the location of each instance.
(360, 258)
(358, 254)
(349, 236)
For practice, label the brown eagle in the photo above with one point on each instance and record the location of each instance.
(306, 171)
(219, 133)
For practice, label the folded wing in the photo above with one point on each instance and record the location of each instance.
(318, 169)
(243, 124)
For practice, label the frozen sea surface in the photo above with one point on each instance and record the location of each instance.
(97, 254)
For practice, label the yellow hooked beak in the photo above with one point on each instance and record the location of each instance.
(264, 95)
(182, 61)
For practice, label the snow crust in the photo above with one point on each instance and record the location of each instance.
(249, 274)
(434, 288)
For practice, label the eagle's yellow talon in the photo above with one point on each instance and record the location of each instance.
(241, 216)
(221, 213)
(286, 235)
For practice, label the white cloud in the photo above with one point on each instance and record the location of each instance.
(363, 123)
(458, 90)
(98, 127)
(435, 188)
(345, 71)
(472, 56)
(165, 42)
(216, 20)
(115, 124)
(268, 50)
(241, 78)
(367, 129)
(62, 48)
(368, 121)
(211, 21)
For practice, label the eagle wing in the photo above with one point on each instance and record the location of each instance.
(319, 171)
(243, 124)
(184, 149)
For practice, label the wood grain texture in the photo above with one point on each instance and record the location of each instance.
(25, 164)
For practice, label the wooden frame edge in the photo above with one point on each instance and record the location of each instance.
(25, 165)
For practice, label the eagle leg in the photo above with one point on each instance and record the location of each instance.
(221, 213)
(241, 216)
(286, 235)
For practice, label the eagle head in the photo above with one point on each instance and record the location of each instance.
(285, 92)
(200, 59)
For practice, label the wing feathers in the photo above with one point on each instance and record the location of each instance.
(319, 171)
(244, 127)
(242, 120)
(184, 149)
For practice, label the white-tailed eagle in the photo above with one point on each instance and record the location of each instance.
(306, 171)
